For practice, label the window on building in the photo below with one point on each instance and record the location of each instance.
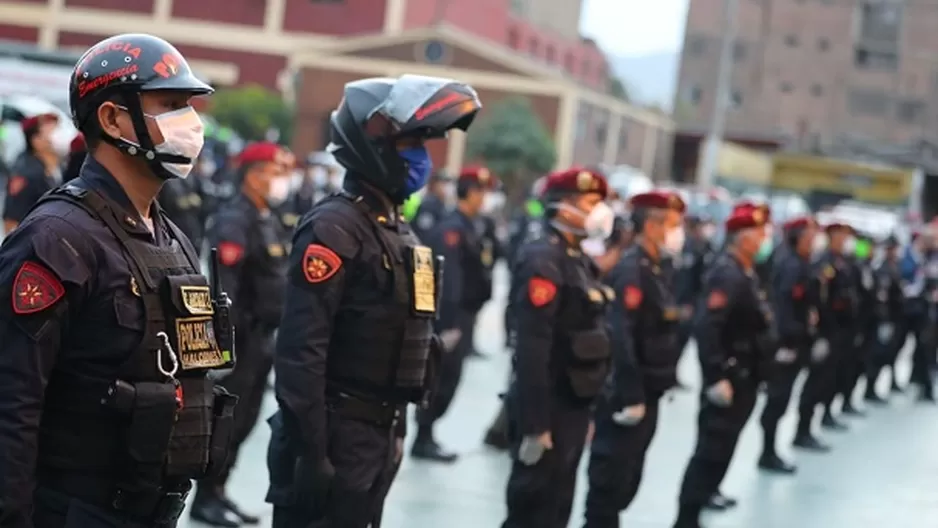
(551, 54)
(865, 102)
(879, 22)
(911, 111)
(791, 41)
(786, 87)
(823, 44)
(696, 46)
(817, 90)
(865, 59)
(533, 46)
(736, 99)
(624, 135)
(514, 40)
(601, 133)
(693, 94)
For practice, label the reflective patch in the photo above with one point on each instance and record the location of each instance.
(16, 185)
(797, 292)
(424, 280)
(716, 300)
(196, 346)
(451, 238)
(229, 253)
(197, 300)
(320, 263)
(632, 297)
(34, 289)
(541, 291)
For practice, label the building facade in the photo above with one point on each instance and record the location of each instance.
(815, 72)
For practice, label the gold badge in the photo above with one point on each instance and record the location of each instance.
(595, 295)
(275, 250)
(134, 287)
(196, 346)
(486, 256)
(829, 272)
(671, 314)
(290, 219)
(424, 280)
(610, 293)
(197, 300)
(584, 181)
(195, 200)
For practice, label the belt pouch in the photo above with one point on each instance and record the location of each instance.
(188, 452)
(222, 427)
(148, 434)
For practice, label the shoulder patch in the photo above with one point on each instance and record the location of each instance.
(797, 292)
(320, 263)
(451, 238)
(541, 291)
(716, 300)
(632, 296)
(35, 288)
(230, 253)
(16, 184)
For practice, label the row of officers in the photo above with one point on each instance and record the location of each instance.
(123, 378)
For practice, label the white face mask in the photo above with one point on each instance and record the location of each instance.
(319, 175)
(819, 244)
(618, 207)
(278, 191)
(599, 221)
(183, 135)
(207, 167)
(296, 180)
(488, 203)
(674, 240)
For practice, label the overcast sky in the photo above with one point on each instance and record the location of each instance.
(635, 27)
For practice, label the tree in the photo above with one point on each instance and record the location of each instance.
(253, 112)
(512, 142)
(617, 89)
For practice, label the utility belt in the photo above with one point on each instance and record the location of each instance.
(382, 414)
(157, 507)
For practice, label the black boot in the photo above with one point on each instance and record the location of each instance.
(850, 410)
(719, 502)
(873, 398)
(688, 516)
(209, 508)
(772, 463)
(426, 448)
(829, 422)
(245, 517)
(497, 434)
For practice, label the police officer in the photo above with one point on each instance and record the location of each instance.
(432, 206)
(912, 268)
(735, 343)
(645, 350)
(493, 250)
(355, 339)
(252, 254)
(923, 356)
(457, 239)
(696, 256)
(865, 334)
(110, 329)
(889, 316)
(36, 171)
(795, 297)
(562, 353)
(182, 202)
(77, 152)
(838, 314)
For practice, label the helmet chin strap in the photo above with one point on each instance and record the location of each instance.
(145, 148)
(560, 225)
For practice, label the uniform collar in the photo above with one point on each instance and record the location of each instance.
(375, 202)
(93, 176)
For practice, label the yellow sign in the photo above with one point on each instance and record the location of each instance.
(424, 280)
(196, 346)
(197, 300)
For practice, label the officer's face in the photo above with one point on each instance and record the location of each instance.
(42, 140)
(260, 176)
(655, 230)
(750, 240)
(806, 240)
(585, 203)
(837, 239)
(475, 198)
(117, 123)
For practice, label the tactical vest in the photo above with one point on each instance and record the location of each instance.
(161, 420)
(381, 348)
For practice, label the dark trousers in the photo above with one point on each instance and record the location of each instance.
(450, 372)
(718, 430)
(923, 356)
(52, 509)
(248, 381)
(362, 456)
(884, 354)
(541, 495)
(839, 364)
(617, 462)
(778, 396)
(859, 364)
(813, 392)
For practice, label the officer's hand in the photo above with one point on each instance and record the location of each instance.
(533, 448)
(450, 338)
(398, 450)
(630, 415)
(720, 393)
(820, 350)
(786, 356)
(884, 332)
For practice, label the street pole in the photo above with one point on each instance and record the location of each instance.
(711, 146)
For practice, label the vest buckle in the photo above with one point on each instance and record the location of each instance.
(166, 349)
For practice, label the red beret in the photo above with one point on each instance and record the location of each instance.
(660, 199)
(263, 151)
(77, 144)
(746, 215)
(31, 124)
(576, 180)
(798, 222)
(478, 175)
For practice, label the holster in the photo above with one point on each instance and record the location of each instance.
(432, 374)
(150, 427)
(188, 451)
(222, 426)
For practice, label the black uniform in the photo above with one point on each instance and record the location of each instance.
(865, 333)
(838, 316)
(889, 321)
(560, 363)
(795, 299)
(735, 342)
(253, 248)
(182, 201)
(102, 309)
(694, 260)
(353, 348)
(430, 212)
(645, 350)
(29, 180)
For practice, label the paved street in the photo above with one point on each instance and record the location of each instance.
(882, 474)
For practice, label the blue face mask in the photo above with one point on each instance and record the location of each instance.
(419, 167)
(765, 251)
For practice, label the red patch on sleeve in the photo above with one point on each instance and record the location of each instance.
(320, 263)
(716, 300)
(451, 238)
(797, 292)
(16, 185)
(632, 297)
(230, 253)
(541, 291)
(34, 289)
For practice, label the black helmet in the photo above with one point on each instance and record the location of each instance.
(374, 113)
(119, 68)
